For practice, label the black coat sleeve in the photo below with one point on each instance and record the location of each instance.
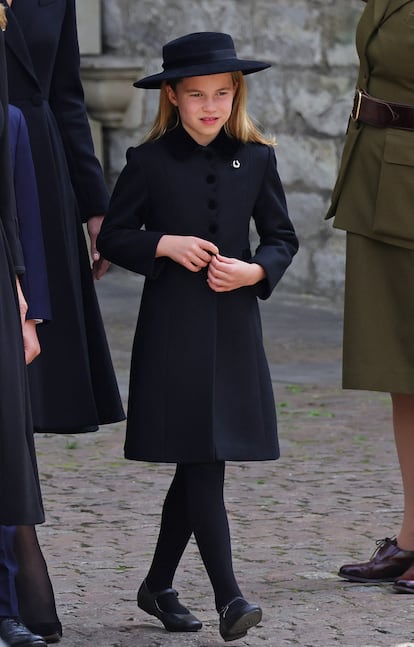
(7, 202)
(278, 242)
(34, 283)
(122, 239)
(67, 102)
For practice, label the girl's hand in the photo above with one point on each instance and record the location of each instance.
(226, 274)
(189, 251)
(99, 264)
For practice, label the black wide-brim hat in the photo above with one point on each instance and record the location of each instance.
(199, 54)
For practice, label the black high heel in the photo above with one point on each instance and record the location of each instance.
(148, 602)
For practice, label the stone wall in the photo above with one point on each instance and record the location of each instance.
(304, 99)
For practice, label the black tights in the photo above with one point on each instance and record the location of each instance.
(195, 504)
(34, 588)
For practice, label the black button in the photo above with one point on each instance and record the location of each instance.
(210, 179)
(212, 204)
(213, 228)
(37, 99)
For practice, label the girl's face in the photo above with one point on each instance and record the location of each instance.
(204, 104)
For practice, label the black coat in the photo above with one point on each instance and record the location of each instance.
(200, 388)
(73, 385)
(20, 500)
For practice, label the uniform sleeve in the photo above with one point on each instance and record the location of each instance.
(34, 282)
(67, 102)
(7, 202)
(122, 239)
(277, 238)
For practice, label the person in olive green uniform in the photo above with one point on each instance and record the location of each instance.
(373, 200)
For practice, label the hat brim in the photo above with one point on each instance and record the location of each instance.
(218, 67)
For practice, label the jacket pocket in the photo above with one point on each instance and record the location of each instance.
(394, 212)
(45, 3)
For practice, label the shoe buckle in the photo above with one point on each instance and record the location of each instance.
(224, 610)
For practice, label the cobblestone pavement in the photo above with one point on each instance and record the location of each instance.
(294, 521)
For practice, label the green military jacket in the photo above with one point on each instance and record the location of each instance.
(374, 192)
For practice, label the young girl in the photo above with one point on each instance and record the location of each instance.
(200, 390)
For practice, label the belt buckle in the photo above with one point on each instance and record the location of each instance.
(356, 108)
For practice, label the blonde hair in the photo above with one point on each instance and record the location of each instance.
(239, 126)
(3, 19)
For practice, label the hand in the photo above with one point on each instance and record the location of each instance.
(189, 251)
(30, 341)
(22, 302)
(99, 264)
(226, 274)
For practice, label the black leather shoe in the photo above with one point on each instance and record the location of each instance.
(405, 583)
(15, 634)
(51, 632)
(386, 564)
(183, 621)
(237, 617)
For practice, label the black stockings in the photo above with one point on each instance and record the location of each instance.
(34, 588)
(195, 504)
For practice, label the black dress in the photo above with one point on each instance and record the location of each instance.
(20, 499)
(73, 385)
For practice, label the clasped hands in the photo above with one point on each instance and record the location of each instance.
(223, 275)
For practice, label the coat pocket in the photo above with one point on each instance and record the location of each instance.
(394, 212)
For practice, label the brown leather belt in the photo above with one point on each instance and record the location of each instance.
(381, 114)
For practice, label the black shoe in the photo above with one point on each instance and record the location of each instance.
(51, 632)
(237, 617)
(15, 634)
(183, 621)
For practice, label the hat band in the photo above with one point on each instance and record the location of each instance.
(204, 58)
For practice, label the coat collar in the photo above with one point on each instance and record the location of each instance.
(16, 42)
(182, 146)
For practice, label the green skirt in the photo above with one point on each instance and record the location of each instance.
(378, 345)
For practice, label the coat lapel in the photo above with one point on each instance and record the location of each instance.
(383, 9)
(380, 7)
(392, 6)
(380, 10)
(16, 42)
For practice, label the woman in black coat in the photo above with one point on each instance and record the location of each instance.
(73, 386)
(20, 498)
(200, 391)
(20, 501)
